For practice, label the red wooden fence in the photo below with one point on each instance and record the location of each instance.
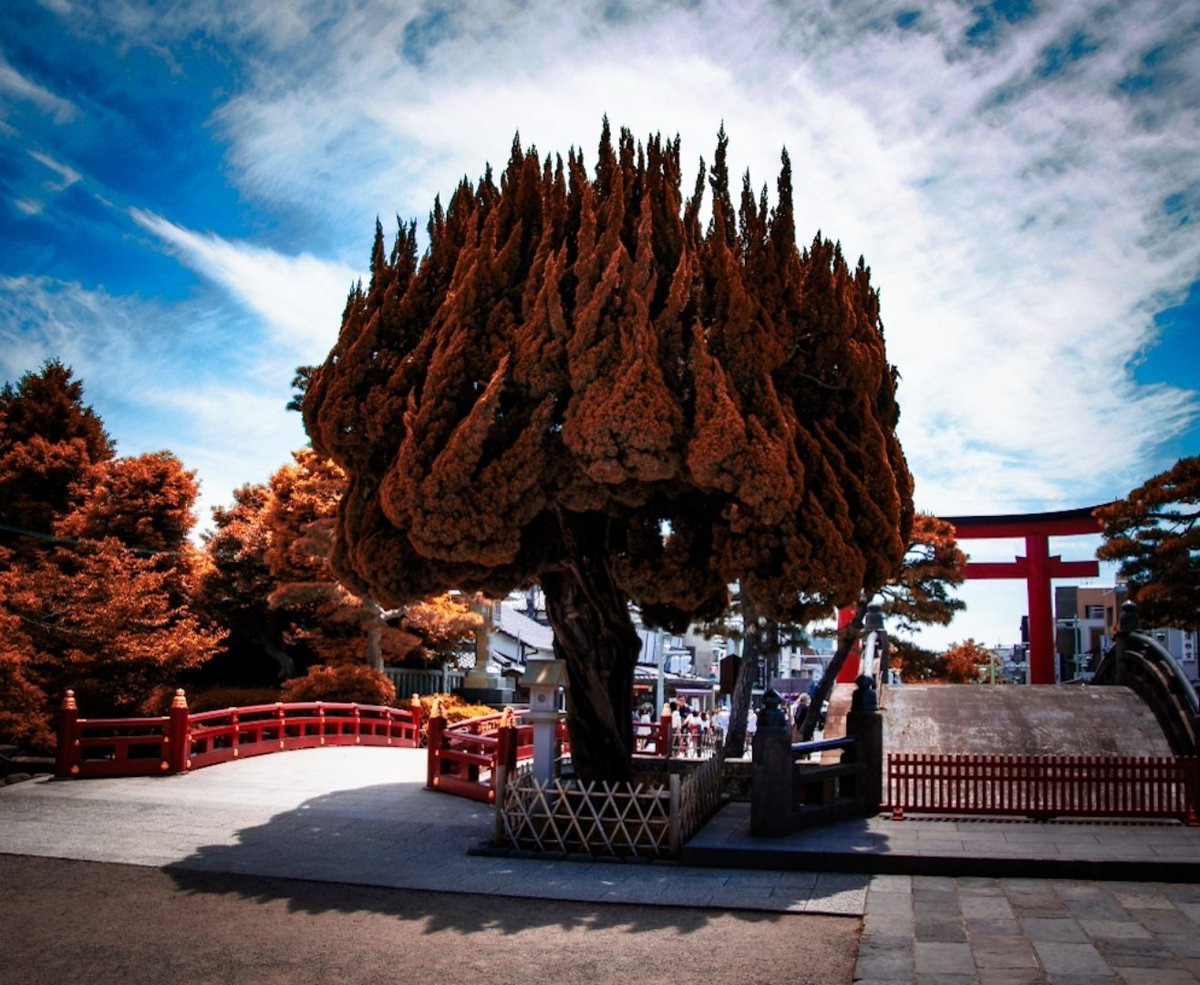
(463, 757)
(180, 740)
(1045, 786)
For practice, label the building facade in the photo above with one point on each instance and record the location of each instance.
(1085, 621)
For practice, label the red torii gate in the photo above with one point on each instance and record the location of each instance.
(1037, 567)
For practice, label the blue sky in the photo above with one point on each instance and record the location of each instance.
(187, 191)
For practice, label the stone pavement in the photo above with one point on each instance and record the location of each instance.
(362, 816)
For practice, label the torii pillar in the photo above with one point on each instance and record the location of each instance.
(1037, 567)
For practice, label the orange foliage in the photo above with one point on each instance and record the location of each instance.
(963, 662)
(581, 386)
(344, 682)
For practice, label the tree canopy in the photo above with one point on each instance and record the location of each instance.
(581, 385)
(48, 439)
(1154, 534)
(96, 572)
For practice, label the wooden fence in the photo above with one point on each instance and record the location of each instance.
(181, 740)
(464, 758)
(1045, 786)
(648, 819)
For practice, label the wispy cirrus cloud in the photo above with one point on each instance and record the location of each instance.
(67, 175)
(160, 376)
(1007, 182)
(15, 87)
(299, 299)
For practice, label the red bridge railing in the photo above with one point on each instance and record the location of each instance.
(181, 740)
(464, 757)
(1045, 786)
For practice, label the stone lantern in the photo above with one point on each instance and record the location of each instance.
(543, 678)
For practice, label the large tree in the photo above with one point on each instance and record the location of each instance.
(107, 605)
(580, 385)
(1154, 534)
(49, 439)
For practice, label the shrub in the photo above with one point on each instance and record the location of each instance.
(347, 682)
(217, 698)
(454, 708)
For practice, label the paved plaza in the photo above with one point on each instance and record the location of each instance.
(941, 901)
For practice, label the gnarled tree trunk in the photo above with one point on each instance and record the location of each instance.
(595, 636)
(743, 688)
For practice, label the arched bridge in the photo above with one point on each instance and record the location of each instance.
(1141, 663)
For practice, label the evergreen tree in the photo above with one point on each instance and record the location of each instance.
(96, 571)
(1154, 534)
(234, 593)
(578, 386)
(48, 440)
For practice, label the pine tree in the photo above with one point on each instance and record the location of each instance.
(579, 386)
(234, 592)
(1154, 534)
(48, 440)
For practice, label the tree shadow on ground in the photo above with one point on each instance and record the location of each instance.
(402, 852)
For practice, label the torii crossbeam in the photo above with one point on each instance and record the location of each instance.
(1037, 567)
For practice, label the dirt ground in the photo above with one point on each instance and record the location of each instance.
(65, 922)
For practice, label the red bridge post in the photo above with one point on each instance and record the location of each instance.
(416, 721)
(437, 725)
(179, 735)
(68, 755)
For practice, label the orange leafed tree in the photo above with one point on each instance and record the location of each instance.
(582, 385)
(336, 625)
(963, 662)
(49, 438)
(96, 570)
(107, 607)
(1154, 533)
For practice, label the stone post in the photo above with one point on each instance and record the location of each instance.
(1127, 623)
(772, 777)
(543, 678)
(865, 723)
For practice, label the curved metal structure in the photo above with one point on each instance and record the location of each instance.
(1145, 666)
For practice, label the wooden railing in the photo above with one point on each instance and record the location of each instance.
(180, 740)
(1045, 786)
(464, 757)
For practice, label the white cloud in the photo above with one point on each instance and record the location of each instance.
(67, 175)
(15, 86)
(160, 377)
(1012, 215)
(299, 299)
(1010, 202)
